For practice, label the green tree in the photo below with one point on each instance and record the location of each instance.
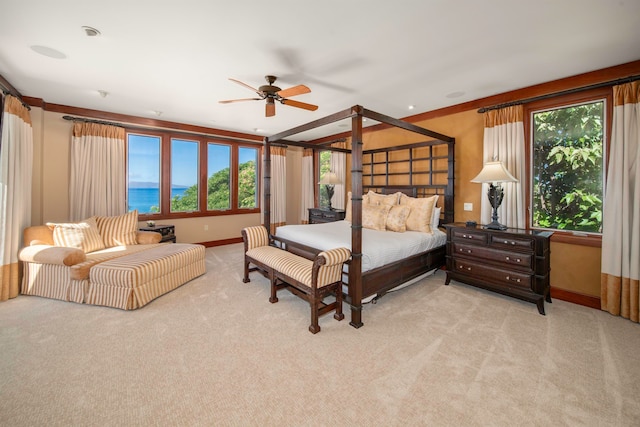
(325, 166)
(567, 168)
(218, 191)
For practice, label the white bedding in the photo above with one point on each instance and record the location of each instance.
(378, 247)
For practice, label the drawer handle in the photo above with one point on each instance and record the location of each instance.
(513, 279)
(509, 259)
(467, 236)
(462, 267)
(506, 242)
(462, 250)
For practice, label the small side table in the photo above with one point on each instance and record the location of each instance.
(168, 232)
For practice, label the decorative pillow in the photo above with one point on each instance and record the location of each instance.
(421, 212)
(435, 218)
(347, 213)
(375, 216)
(397, 218)
(383, 199)
(119, 230)
(82, 235)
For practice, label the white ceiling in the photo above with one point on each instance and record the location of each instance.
(176, 56)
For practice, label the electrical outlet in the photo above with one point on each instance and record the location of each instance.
(468, 206)
(206, 227)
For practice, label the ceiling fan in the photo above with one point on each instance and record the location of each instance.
(271, 94)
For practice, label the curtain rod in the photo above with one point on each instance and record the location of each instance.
(134, 127)
(564, 92)
(7, 89)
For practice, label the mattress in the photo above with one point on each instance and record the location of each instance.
(378, 247)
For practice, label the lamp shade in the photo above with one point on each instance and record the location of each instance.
(494, 172)
(330, 178)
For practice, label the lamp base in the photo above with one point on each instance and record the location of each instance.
(495, 225)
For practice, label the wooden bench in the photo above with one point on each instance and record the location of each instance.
(311, 280)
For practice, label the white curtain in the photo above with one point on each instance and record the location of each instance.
(278, 187)
(308, 185)
(16, 170)
(504, 141)
(339, 166)
(97, 185)
(621, 220)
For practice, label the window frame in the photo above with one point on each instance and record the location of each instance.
(165, 174)
(555, 102)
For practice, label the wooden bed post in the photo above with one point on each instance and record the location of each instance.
(355, 269)
(266, 174)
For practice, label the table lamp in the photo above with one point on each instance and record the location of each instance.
(494, 173)
(329, 180)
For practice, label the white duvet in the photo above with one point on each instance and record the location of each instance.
(378, 247)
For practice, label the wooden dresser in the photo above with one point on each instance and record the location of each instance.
(320, 215)
(513, 262)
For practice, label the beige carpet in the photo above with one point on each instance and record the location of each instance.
(216, 352)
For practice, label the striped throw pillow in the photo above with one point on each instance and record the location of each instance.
(81, 235)
(119, 230)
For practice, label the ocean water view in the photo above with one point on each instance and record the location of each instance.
(143, 198)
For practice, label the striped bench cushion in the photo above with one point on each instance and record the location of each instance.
(299, 268)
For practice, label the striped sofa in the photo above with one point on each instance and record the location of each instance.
(312, 280)
(125, 272)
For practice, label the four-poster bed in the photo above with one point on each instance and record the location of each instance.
(383, 278)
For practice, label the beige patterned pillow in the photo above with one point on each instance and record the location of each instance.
(397, 218)
(347, 213)
(421, 212)
(82, 235)
(119, 230)
(383, 199)
(375, 216)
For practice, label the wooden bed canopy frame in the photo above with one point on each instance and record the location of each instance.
(382, 279)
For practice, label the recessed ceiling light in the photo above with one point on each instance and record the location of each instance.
(157, 113)
(411, 107)
(90, 31)
(103, 93)
(257, 130)
(455, 94)
(47, 51)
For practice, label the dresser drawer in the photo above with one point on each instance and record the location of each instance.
(462, 235)
(522, 261)
(492, 274)
(511, 242)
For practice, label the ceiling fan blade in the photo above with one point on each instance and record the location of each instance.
(270, 109)
(228, 101)
(246, 85)
(293, 91)
(299, 104)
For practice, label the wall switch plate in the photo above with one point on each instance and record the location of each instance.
(468, 206)
(206, 227)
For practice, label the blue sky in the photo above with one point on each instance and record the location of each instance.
(144, 159)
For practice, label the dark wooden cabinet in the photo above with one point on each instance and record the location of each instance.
(168, 232)
(320, 215)
(512, 262)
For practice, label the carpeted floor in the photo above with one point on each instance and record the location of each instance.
(216, 352)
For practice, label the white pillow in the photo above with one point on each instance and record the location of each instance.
(435, 218)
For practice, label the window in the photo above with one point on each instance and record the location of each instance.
(324, 167)
(568, 144)
(248, 178)
(219, 178)
(184, 176)
(174, 177)
(143, 182)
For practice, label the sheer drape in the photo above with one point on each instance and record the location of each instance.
(504, 141)
(97, 185)
(339, 166)
(16, 171)
(278, 187)
(308, 185)
(621, 220)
